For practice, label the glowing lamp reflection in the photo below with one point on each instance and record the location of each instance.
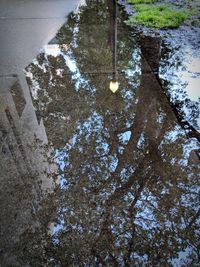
(114, 86)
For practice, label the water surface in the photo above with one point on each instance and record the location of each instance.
(96, 178)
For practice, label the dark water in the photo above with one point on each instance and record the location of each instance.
(93, 178)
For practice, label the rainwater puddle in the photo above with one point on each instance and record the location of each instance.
(97, 178)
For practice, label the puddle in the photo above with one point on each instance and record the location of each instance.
(98, 178)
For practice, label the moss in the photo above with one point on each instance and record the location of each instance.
(158, 16)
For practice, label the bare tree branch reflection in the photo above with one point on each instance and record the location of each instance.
(129, 183)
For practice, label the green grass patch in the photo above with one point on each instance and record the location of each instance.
(158, 16)
(134, 2)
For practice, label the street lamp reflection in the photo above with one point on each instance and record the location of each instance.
(114, 86)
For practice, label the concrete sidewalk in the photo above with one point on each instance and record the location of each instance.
(25, 26)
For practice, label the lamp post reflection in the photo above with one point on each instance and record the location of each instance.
(114, 85)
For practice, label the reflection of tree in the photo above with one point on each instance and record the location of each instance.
(127, 197)
(94, 61)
